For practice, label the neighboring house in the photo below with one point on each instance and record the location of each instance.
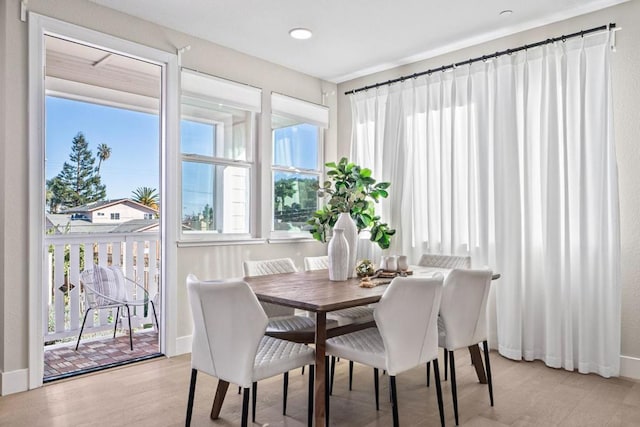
(112, 211)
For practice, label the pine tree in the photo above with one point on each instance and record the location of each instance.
(79, 182)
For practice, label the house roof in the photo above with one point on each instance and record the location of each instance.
(90, 207)
(63, 223)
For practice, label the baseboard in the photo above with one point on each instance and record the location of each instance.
(630, 367)
(14, 381)
(183, 345)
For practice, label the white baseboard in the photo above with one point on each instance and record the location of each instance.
(183, 345)
(14, 381)
(630, 367)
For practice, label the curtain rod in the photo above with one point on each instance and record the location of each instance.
(484, 58)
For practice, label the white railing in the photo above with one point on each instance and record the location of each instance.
(138, 254)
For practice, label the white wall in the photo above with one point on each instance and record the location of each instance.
(207, 262)
(126, 212)
(626, 80)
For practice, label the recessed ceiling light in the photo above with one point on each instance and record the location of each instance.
(506, 12)
(300, 33)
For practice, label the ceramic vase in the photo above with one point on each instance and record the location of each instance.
(346, 223)
(338, 256)
(403, 263)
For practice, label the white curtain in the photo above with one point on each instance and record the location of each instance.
(512, 161)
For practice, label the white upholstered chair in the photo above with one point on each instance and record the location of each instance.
(106, 287)
(462, 321)
(361, 314)
(316, 263)
(392, 345)
(229, 341)
(444, 261)
(282, 320)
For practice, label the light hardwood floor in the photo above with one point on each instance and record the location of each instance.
(154, 393)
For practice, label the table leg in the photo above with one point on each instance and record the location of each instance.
(476, 359)
(221, 392)
(321, 339)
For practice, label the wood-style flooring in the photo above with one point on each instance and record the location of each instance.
(154, 393)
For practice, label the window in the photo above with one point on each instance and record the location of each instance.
(115, 216)
(100, 213)
(217, 133)
(148, 216)
(297, 162)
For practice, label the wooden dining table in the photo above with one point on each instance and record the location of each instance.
(314, 292)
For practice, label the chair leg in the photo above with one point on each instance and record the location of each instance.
(350, 375)
(285, 390)
(446, 363)
(376, 388)
(326, 392)
(311, 388)
(436, 375)
(302, 373)
(485, 345)
(192, 392)
(115, 322)
(394, 398)
(254, 394)
(454, 387)
(155, 316)
(130, 331)
(332, 374)
(82, 328)
(239, 390)
(428, 372)
(245, 407)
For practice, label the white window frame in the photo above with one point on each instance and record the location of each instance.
(303, 112)
(236, 95)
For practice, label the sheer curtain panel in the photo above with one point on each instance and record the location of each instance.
(512, 161)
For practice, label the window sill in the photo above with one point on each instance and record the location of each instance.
(291, 239)
(221, 242)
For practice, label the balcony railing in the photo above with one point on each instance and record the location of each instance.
(138, 254)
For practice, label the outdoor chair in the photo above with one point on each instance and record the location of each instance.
(105, 287)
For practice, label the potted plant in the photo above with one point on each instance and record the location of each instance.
(351, 189)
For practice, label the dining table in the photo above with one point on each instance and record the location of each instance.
(312, 291)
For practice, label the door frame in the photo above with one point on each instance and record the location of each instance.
(39, 26)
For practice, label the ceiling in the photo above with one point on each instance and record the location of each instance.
(351, 38)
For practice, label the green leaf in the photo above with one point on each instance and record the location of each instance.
(383, 185)
(331, 165)
(365, 173)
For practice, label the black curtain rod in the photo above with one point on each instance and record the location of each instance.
(483, 58)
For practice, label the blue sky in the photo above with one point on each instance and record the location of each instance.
(132, 136)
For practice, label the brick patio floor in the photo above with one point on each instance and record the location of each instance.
(64, 361)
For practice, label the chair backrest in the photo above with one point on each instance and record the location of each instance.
(316, 263)
(445, 261)
(271, 266)
(463, 311)
(104, 286)
(406, 317)
(228, 324)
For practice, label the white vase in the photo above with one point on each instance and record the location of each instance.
(347, 223)
(338, 256)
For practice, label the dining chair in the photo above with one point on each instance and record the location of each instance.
(393, 346)
(229, 341)
(462, 321)
(106, 287)
(445, 262)
(283, 322)
(360, 314)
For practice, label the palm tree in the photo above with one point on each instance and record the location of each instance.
(104, 152)
(146, 196)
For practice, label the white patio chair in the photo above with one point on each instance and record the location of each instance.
(105, 287)
(361, 314)
(229, 341)
(462, 321)
(393, 345)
